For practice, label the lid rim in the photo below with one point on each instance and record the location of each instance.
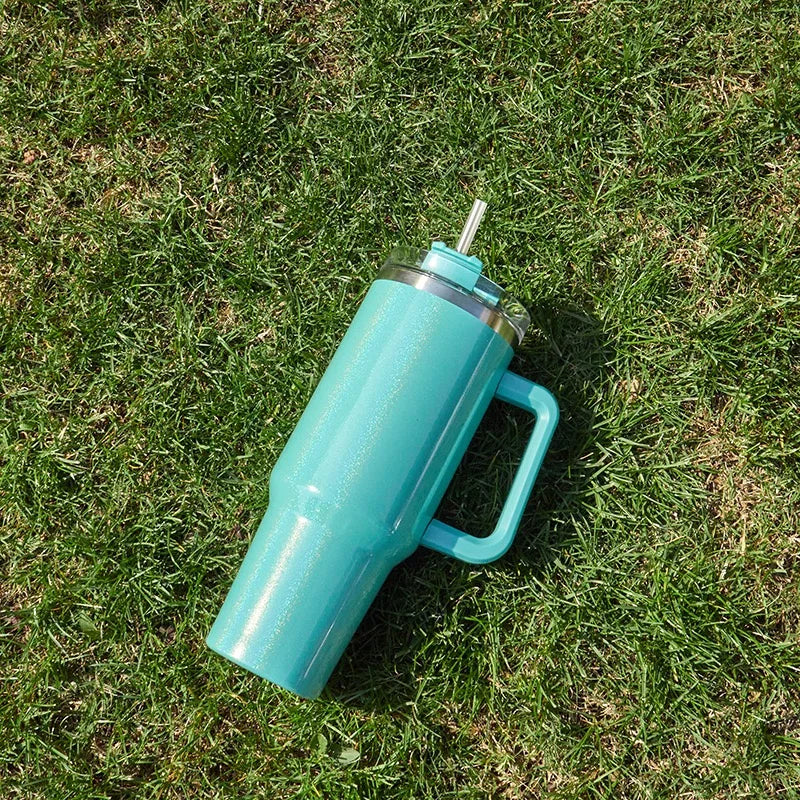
(440, 287)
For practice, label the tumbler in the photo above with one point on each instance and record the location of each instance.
(357, 485)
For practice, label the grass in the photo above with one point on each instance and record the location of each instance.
(194, 199)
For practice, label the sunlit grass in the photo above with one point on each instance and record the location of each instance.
(195, 197)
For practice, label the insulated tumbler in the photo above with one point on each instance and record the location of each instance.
(356, 487)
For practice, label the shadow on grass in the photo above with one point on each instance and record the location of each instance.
(567, 351)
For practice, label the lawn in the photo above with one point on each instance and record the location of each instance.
(194, 198)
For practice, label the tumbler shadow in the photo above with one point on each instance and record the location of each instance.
(567, 351)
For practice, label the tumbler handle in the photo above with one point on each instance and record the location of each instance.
(444, 538)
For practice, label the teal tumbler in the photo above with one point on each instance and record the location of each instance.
(356, 487)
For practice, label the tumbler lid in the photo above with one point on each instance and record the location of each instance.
(485, 300)
(453, 275)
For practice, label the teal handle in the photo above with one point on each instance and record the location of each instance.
(444, 538)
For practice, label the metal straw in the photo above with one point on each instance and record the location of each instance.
(474, 219)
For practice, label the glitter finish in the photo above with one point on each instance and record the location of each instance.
(359, 481)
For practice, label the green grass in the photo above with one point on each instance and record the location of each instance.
(193, 199)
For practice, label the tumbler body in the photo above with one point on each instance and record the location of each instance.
(358, 481)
